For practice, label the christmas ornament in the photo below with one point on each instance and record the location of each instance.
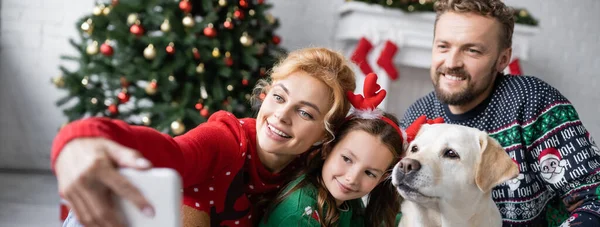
(216, 53)
(238, 14)
(97, 10)
(185, 6)
(146, 120)
(200, 68)
(260, 1)
(165, 26)
(204, 112)
(210, 31)
(228, 60)
(386, 59)
(270, 18)
(251, 12)
(196, 53)
(85, 81)
(150, 52)
(94, 101)
(359, 56)
(228, 24)
(230, 87)
(137, 29)
(263, 71)
(151, 88)
(132, 18)
(177, 127)
(123, 96)
(113, 109)
(222, 3)
(188, 21)
(170, 48)
(243, 3)
(106, 10)
(92, 48)
(276, 39)
(114, 2)
(246, 40)
(171, 78)
(262, 96)
(58, 81)
(106, 49)
(245, 82)
(124, 82)
(198, 106)
(88, 26)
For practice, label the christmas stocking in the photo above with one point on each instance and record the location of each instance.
(386, 58)
(359, 56)
(515, 67)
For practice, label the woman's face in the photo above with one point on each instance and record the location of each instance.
(291, 117)
(355, 166)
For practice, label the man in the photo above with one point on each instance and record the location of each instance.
(537, 126)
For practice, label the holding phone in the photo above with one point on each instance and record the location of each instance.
(162, 188)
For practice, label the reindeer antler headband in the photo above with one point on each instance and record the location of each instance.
(366, 107)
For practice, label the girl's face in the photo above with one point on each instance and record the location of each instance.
(355, 166)
(291, 117)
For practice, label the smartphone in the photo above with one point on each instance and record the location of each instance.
(162, 187)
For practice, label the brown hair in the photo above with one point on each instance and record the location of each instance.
(384, 201)
(330, 67)
(490, 8)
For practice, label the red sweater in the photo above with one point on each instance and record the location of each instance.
(217, 161)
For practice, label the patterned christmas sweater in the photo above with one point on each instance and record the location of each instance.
(300, 209)
(220, 169)
(540, 129)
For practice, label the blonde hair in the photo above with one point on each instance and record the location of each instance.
(490, 8)
(328, 66)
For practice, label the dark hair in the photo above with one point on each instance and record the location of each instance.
(491, 8)
(384, 201)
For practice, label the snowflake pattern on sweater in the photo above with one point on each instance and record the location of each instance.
(540, 129)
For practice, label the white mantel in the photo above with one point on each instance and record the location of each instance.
(411, 32)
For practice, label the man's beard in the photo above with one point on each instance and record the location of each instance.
(465, 95)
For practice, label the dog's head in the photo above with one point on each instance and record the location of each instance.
(446, 162)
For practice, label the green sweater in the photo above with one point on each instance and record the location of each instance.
(300, 209)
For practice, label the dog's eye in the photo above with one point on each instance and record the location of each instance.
(414, 149)
(449, 153)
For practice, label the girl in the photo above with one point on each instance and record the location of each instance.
(229, 166)
(356, 163)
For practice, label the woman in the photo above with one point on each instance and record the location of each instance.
(304, 101)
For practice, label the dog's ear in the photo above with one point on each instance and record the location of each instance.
(494, 165)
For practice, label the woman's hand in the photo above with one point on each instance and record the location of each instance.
(87, 173)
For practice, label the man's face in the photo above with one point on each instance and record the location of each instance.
(466, 57)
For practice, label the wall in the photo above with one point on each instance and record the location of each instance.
(34, 33)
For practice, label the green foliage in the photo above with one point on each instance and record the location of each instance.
(179, 86)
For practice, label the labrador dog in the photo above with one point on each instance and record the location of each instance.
(447, 176)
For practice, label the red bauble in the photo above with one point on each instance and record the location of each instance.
(137, 30)
(243, 3)
(228, 24)
(123, 96)
(113, 109)
(261, 1)
(106, 49)
(210, 32)
(185, 6)
(196, 53)
(170, 49)
(262, 96)
(204, 112)
(238, 14)
(245, 82)
(276, 40)
(199, 106)
(153, 84)
(228, 61)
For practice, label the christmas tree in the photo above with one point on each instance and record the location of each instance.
(169, 64)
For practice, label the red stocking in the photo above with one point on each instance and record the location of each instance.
(386, 58)
(359, 56)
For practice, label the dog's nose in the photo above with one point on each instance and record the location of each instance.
(409, 165)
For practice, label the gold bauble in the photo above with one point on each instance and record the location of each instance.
(216, 53)
(85, 81)
(200, 68)
(92, 48)
(58, 81)
(165, 26)
(222, 3)
(177, 127)
(132, 18)
(94, 101)
(88, 26)
(146, 120)
(230, 87)
(188, 21)
(251, 12)
(97, 10)
(246, 40)
(270, 18)
(523, 13)
(106, 11)
(150, 52)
